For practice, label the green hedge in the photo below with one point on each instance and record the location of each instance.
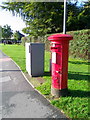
(36, 40)
(78, 47)
(80, 44)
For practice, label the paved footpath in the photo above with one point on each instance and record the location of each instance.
(18, 99)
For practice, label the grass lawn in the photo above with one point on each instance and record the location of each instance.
(76, 104)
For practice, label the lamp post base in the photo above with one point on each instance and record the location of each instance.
(57, 92)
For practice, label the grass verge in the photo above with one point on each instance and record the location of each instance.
(76, 104)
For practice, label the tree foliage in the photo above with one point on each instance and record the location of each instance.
(0, 33)
(47, 17)
(84, 16)
(6, 32)
(17, 35)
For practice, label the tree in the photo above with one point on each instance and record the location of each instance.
(40, 18)
(72, 14)
(6, 32)
(84, 16)
(17, 36)
(0, 33)
(46, 17)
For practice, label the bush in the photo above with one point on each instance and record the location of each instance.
(78, 47)
(38, 39)
(24, 40)
(80, 43)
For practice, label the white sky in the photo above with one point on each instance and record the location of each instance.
(16, 23)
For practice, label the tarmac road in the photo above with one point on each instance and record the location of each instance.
(18, 99)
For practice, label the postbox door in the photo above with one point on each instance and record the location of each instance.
(57, 67)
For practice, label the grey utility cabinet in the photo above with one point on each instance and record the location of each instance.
(35, 58)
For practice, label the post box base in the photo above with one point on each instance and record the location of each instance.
(57, 92)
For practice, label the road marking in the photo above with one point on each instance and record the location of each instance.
(5, 79)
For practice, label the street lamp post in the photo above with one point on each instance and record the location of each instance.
(64, 19)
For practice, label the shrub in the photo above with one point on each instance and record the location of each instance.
(24, 40)
(79, 45)
(37, 40)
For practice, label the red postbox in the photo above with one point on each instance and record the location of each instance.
(59, 63)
